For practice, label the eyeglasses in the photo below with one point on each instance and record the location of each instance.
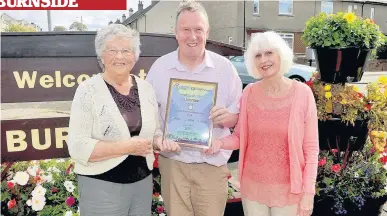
(124, 52)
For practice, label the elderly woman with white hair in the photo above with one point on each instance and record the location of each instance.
(113, 118)
(277, 134)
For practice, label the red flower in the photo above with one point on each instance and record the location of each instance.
(156, 194)
(160, 209)
(335, 150)
(54, 189)
(336, 168)
(359, 95)
(11, 203)
(309, 83)
(322, 162)
(37, 179)
(156, 162)
(384, 160)
(70, 201)
(10, 185)
(367, 107)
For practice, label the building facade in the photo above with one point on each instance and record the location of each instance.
(234, 22)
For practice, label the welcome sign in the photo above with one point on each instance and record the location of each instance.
(47, 67)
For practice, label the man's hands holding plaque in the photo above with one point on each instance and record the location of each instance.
(166, 145)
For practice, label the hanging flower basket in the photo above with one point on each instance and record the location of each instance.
(342, 43)
(341, 65)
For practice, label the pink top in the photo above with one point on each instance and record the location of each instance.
(266, 176)
(302, 139)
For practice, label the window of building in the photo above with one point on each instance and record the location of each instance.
(372, 13)
(256, 7)
(285, 7)
(327, 7)
(349, 8)
(289, 38)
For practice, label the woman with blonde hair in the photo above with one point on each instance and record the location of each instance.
(277, 134)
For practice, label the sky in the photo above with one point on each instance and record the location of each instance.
(93, 19)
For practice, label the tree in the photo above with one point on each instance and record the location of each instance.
(60, 28)
(77, 26)
(19, 28)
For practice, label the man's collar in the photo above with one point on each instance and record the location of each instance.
(208, 61)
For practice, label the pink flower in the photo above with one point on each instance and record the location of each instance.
(70, 201)
(69, 169)
(160, 209)
(322, 162)
(372, 150)
(336, 168)
(10, 185)
(54, 189)
(335, 150)
(11, 203)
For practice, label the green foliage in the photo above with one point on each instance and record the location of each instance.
(342, 30)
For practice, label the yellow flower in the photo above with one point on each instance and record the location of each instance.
(327, 87)
(350, 17)
(344, 101)
(383, 80)
(355, 88)
(328, 95)
(374, 133)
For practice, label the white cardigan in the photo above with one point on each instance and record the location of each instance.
(95, 116)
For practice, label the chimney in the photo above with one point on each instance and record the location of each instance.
(123, 18)
(130, 12)
(140, 5)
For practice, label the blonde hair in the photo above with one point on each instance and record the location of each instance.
(269, 40)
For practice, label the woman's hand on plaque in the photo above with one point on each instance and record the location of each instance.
(215, 147)
(167, 145)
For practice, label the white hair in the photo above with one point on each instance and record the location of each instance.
(116, 30)
(269, 40)
(192, 6)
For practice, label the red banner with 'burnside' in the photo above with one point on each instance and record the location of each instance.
(62, 5)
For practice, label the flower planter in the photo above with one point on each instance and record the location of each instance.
(335, 134)
(341, 65)
(372, 207)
